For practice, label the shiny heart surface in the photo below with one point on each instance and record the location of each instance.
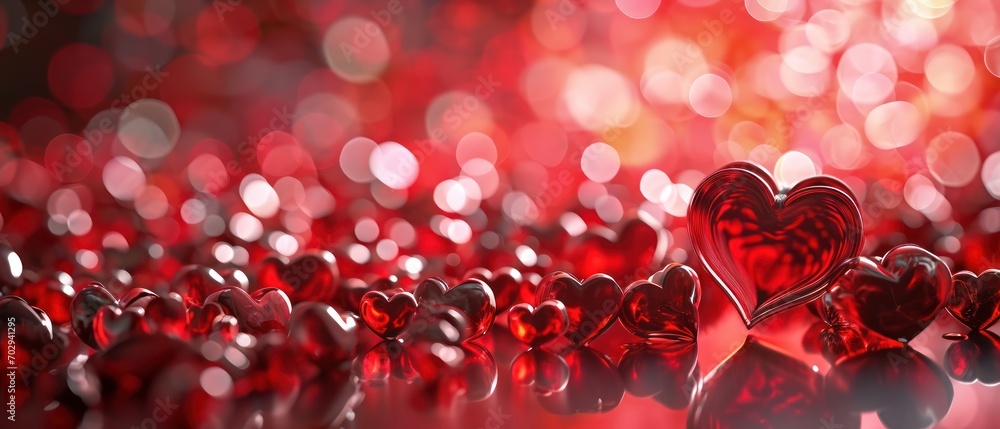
(200, 319)
(772, 249)
(975, 300)
(667, 371)
(387, 316)
(547, 372)
(323, 333)
(593, 386)
(760, 386)
(87, 302)
(505, 283)
(664, 306)
(32, 331)
(112, 325)
(896, 298)
(473, 297)
(536, 326)
(430, 289)
(636, 249)
(592, 305)
(309, 277)
(266, 310)
(194, 283)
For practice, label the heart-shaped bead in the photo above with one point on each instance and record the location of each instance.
(536, 326)
(387, 316)
(592, 305)
(112, 325)
(472, 297)
(309, 277)
(87, 302)
(634, 251)
(266, 310)
(760, 386)
(772, 249)
(325, 334)
(896, 298)
(664, 306)
(976, 358)
(975, 300)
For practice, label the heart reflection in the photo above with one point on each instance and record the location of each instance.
(544, 370)
(667, 371)
(762, 387)
(905, 388)
(975, 358)
(593, 386)
(449, 372)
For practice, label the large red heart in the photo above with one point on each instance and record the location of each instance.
(310, 277)
(664, 306)
(473, 297)
(387, 316)
(112, 325)
(634, 251)
(975, 300)
(772, 249)
(85, 306)
(537, 326)
(266, 310)
(592, 306)
(897, 298)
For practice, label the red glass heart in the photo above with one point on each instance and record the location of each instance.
(138, 297)
(772, 250)
(167, 315)
(592, 306)
(762, 387)
(266, 310)
(112, 325)
(906, 388)
(664, 306)
(897, 298)
(200, 319)
(309, 277)
(87, 302)
(50, 294)
(666, 370)
(505, 283)
(975, 300)
(32, 334)
(537, 326)
(438, 323)
(975, 358)
(430, 289)
(638, 248)
(387, 316)
(194, 283)
(323, 333)
(472, 297)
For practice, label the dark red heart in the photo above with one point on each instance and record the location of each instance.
(975, 300)
(50, 294)
(266, 310)
(505, 283)
(200, 319)
(167, 315)
(772, 250)
(762, 387)
(472, 297)
(537, 326)
(387, 316)
(194, 283)
(138, 297)
(87, 302)
(638, 248)
(975, 358)
(592, 306)
(323, 333)
(664, 306)
(32, 334)
(112, 325)
(897, 298)
(309, 277)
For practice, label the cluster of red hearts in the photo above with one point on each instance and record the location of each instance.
(289, 340)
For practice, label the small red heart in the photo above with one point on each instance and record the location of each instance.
(200, 319)
(664, 306)
(194, 283)
(351, 291)
(85, 306)
(472, 297)
(266, 310)
(537, 326)
(975, 300)
(309, 277)
(323, 333)
(387, 316)
(638, 247)
(112, 325)
(592, 306)
(506, 284)
(975, 358)
(167, 314)
(772, 249)
(897, 298)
